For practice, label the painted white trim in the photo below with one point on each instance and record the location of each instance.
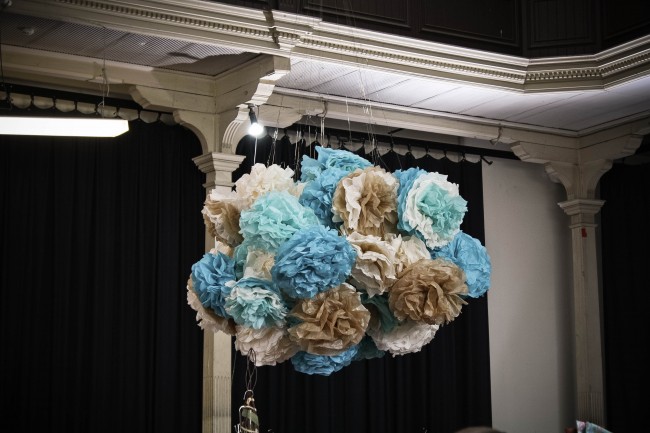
(307, 37)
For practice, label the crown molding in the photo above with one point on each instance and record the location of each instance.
(298, 36)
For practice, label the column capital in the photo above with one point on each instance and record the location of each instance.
(218, 168)
(579, 162)
(582, 211)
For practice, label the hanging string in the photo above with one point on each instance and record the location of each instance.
(248, 419)
(274, 140)
(251, 370)
(255, 152)
(104, 86)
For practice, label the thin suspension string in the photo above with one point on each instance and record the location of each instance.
(251, 370)
(255, 147)
(104, 86)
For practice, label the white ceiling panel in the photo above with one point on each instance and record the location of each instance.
(411, 90)
(461, 99)
(605, 107)
(306, 75)
(512, 104)
(361, 84)
(555, 114)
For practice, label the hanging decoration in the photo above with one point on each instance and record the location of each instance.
(350, 263)
(248, 420)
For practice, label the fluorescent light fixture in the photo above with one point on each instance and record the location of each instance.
(255, 129)
(63, 126)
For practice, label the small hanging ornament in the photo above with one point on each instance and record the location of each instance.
(248, 420)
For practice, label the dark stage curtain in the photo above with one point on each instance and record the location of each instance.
(441, 389)
(625, 232)
(98, 238)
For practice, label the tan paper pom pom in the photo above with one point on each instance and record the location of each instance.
(429, 292)
(366, 202)
(221, 217)
(331, 322)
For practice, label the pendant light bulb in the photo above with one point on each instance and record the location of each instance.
(255, 129)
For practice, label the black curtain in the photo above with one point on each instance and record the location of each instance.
(97, 240)
(625, 232)
(441, 389)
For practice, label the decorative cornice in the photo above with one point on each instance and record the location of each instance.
(429, 64)
(307, 37)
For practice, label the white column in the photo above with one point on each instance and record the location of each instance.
(587, 308)
(578, 164)
(218, 168)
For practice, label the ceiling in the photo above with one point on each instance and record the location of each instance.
(562, 96)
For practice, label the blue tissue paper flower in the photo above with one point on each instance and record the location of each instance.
(209, 277)
(318, 194)
(368, 350)
(406, 179)
(446, 211)
(378, 307)
(239, 256)
(323, 365)
(330, 158)
(256, 303)
(341, 159)
(310, 169)
(273, 218)
(468, 254)
(311, 261)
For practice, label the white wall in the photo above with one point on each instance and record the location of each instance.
(530, 299)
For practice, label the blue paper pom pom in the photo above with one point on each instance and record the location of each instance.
(318, 194)
(273, 218)
(310, 169)
(445, 211)
(239, 256)
(341, 159)
(368, 350)
(328, 158)
(468, 254)
(256, 303)
(379, 309)
(312, 260)
(209, 277)
(406, 179)
(307, 363)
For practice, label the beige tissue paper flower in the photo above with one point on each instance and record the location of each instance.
(429, 292)
(410, 250)
(330, 322)
(366, 202)
(374, 269)
(221, 217)
(258, 264)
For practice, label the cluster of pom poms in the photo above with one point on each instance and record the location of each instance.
(347, 264)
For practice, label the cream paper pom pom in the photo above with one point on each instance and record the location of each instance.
(406, 337)
(271, 345)
(374, 268)
(261, 180)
